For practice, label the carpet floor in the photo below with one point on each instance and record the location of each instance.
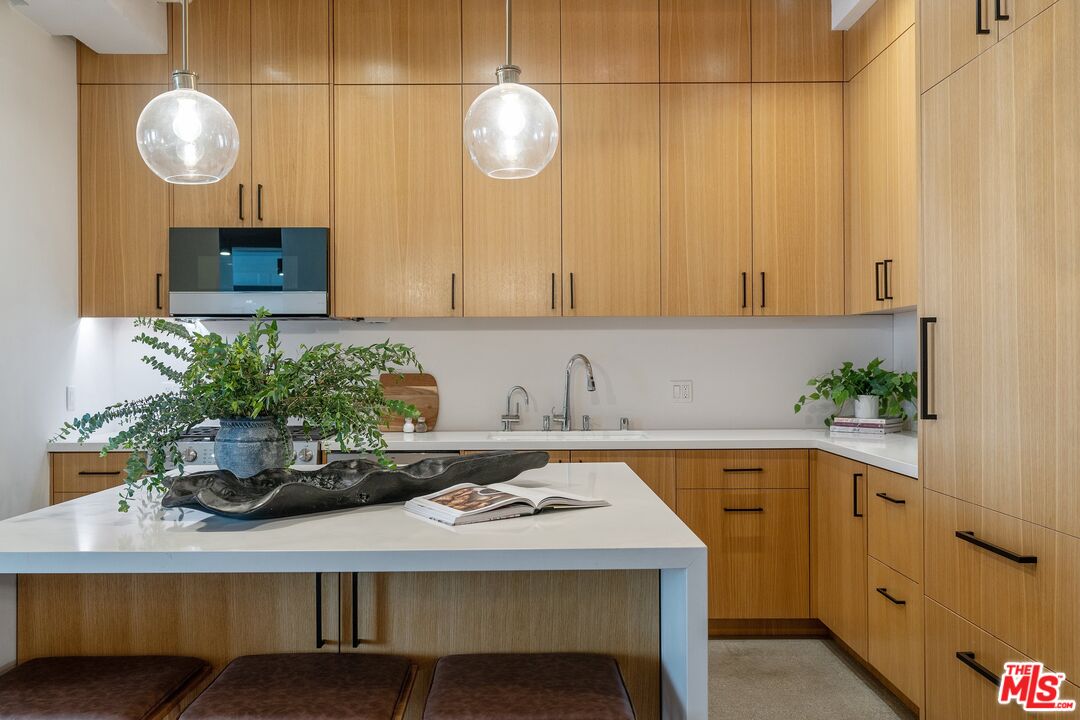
(782, 679)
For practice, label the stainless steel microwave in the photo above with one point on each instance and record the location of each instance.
(232, 272)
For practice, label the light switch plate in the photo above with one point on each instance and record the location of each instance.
(69, 397)
(682, 391)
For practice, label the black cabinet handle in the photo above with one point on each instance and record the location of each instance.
(745, 510)
(241, 202)
(924, 368)
(552, 291)
(855, 495)
(979, 29)
(355, 613)
(887, 498)
(319, 639)
(744, 470)
(98, 472)
(1000, 13)
(884, 592)
(968, 658)
(744, 290)
(571, 291)
(969, 536)
(453, 291)
(157, 291)
(258, 201)
(877, 282)
(762, 288)
(885, 265)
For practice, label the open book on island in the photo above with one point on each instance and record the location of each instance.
(468, 503)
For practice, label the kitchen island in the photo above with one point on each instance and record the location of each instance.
(628, 580)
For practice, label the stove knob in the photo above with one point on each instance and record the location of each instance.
(190, 455)
(306, 455)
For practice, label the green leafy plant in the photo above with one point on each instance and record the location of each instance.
(848, 382)
(330, 387)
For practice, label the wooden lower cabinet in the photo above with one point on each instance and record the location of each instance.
(76, 474)
(894, 515)
(895, 628)
(655, 467)
(838, 549)
(759, 550)
(733, 469)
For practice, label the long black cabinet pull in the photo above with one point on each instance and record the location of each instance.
(855, 495)
(157, 291)
(258, 201)
(745, 510)
(241, 201)
(98, 472)
(968, 658)
(924, 368)
(552, 291)
(762, 288)
(979, 29)
(744, 290)
(355, 613)
(887, 498)
(884, 592)
(571, 291)
(969, 536)
(886, 272)
(877, 281)
(744, 470)
(319, 639)
(453, 291)
(1000, 13)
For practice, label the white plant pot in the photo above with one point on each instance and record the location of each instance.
(867, 406)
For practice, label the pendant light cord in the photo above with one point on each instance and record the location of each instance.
(508, 24)
(184, 35)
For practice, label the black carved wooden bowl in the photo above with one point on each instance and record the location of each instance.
(339, 485)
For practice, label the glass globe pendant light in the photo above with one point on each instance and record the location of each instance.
(511, 130)
(187, 137)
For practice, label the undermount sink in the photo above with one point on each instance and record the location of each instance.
(563, 435)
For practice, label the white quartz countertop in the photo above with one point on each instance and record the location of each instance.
(89, 535)
(898, 453)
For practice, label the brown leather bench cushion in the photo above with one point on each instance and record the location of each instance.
(305, 686)
(102, 688)
(556, 686)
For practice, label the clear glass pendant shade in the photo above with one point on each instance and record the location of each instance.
(511, 131)
(187, 137)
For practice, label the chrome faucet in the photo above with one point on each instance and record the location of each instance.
(508, 418)
(590, 385)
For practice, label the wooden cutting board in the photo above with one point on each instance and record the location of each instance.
(418, 389)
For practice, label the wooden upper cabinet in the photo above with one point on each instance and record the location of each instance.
(704, 41)
(512, 236)
(795, 42)
(798, 188)
(230, 201)
(536, 38)
(838, 571)
(1019, 12)
(880, 25)
(398, 201)
(901, 145)
(863, 192)
(706, 237)
(97, 69)
(123, 208)
(611, 199)
(394, 42)
(290, 155)
(290, 41)
(219, 40)
(949, 37)
(610, 41)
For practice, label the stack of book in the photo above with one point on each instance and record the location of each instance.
(867, 426)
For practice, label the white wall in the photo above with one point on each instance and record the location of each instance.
(38, 239)
(747, 372)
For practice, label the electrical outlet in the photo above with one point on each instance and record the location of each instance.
(69, 397)
(682, 391)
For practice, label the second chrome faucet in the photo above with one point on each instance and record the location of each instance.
(565, 420)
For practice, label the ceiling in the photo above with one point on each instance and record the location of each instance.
(106, 26)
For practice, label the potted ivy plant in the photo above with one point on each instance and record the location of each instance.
(253, 389)
(874, 391)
